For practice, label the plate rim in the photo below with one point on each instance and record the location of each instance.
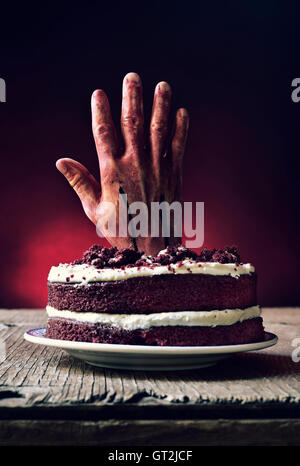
(145, 349)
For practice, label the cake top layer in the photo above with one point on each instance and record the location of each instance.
(110, 264)
(101, 257)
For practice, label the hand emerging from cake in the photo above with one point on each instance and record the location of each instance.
(148, 169)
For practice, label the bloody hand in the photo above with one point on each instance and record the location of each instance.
(148, 169)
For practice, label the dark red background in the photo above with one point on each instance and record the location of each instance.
(230, 64)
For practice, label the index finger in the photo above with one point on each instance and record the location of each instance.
(159, 122)
(104, 130)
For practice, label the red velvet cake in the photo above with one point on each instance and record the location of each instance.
(177, 298)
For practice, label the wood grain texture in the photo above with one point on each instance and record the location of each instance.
(212, 432)
(45, 385)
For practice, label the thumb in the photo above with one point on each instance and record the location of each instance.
(83, 183)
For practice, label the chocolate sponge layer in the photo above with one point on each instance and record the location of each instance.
(163, 293)
(248, 331)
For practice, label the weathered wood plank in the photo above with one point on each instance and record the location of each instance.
(203, 432)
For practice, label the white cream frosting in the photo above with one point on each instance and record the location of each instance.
(85, 273)
(144, 321)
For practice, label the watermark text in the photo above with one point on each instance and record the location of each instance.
(160, 219)
(2, 90)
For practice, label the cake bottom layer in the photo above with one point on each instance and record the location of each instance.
(248, 331)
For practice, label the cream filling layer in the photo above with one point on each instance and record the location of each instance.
(161, 319)
(84, 273)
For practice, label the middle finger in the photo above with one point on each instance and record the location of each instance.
(132, 117)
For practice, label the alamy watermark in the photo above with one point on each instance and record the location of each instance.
(295, 354)
(295, 95)
(2, 90)
(159, 219)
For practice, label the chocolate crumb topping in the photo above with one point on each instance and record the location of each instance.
(173, 254)
(101, 257)
(228, 255)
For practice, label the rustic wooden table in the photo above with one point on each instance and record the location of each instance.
(49, 398)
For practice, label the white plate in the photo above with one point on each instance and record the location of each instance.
(137, 357)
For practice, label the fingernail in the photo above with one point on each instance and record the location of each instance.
(163, 87)
(61, 166)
